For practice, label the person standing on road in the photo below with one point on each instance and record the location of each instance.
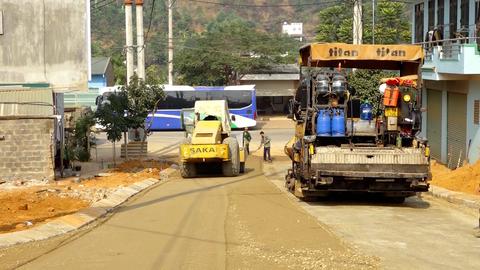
(247, 137)
(266, 146)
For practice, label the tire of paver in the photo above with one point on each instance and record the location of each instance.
(242, 167)
(231, 167)
(187, 170)
(397, 200)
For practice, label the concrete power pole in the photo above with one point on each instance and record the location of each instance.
(140, 40)
(373, 21)
(357, 22)
(170, 42)
(129, 38)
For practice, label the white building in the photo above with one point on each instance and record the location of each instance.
(451, 75)
(294, 30)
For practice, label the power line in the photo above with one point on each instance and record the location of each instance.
(264, 6)
(97, 8)
(150, 22)
(96, 3)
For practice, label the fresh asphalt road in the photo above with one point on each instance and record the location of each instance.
(166, 143)
(423, 233)
(241, 222)
(247, 223)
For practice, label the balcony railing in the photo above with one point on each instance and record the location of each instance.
(448, 49)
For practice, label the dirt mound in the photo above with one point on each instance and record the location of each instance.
(20, 209)
(128, 173)
(28, 205)
(133, 165)
(464, 179)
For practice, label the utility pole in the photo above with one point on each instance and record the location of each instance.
(357, 22)
(129, 38)
(373, 21)
(170, 42)
(140, 41)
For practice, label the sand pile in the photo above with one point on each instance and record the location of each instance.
(20, 209)
(128, 173)
(464, 179)
(27, 206)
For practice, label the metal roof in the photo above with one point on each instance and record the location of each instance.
(99, 65)
(278, 69)
(271, 77)
(23, 102)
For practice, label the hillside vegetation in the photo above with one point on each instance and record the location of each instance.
(108, 21)
(193, 17)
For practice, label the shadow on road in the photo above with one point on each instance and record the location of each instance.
(172, 235)
(164, 198)
(360, 199)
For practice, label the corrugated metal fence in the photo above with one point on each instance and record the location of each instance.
(23, 102)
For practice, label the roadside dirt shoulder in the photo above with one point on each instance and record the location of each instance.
(23, 205)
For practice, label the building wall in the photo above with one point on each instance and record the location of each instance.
(274, 87)
(472, 128)
(45, 41)
(98, 81)
(473, 94)
(26, 149)
(471, 87)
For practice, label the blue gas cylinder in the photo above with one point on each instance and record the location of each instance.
(324, 126)
(338, 123)
(366, 111)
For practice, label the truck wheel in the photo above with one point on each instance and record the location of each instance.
(188, 170)
(231, 167)
(242, 167)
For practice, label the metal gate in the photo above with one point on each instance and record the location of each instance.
(457, 129)
(434, 123)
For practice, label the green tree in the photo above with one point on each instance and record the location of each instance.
(81, 134)
(229, 49)
(336, 25)
(366, 83)
(141, 99)
(391, 27)
(155, 75)
(111, 115)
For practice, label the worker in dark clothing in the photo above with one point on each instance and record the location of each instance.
(247, 137)
(266, 142)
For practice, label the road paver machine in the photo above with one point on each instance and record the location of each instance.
(343, 144)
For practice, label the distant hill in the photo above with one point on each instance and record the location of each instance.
(108, 20)
(192, 16)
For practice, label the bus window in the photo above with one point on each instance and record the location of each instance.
(171, 101)
(216, 95)
(187, 99)
(200, 95)
(238, 99)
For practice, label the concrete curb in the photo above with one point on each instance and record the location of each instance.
(275, 118)
(83, 217)
(454, 197)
